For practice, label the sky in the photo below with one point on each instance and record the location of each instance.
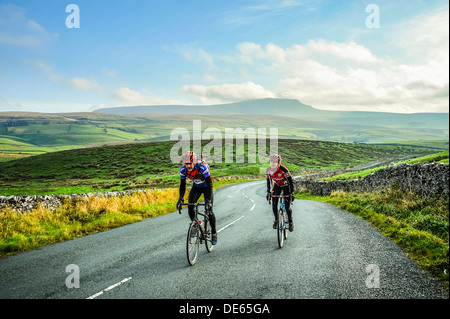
(377, 55)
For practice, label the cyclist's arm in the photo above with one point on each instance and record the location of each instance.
(182, 181)
(291, 184)
(182, 187)
(288, 178)
(268, 180)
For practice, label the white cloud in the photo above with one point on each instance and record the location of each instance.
(47, 68)
(128, 97)
(193, 54)
(84, 84)
(345, 51)
(251, 52)
(345, 75)
(34, 26)
(227, 92)
(5, 106)
(426, 36)
(109, 72)
(18, 30)
(260, 12)
(75, 82)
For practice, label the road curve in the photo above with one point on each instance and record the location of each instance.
(331, 254)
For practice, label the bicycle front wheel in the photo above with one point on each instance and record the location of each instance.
(207, 236)
(193, 241)
(280, 229)
(286, 225)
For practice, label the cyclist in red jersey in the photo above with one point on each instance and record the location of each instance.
(279, 180)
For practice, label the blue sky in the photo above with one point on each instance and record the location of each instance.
(209, 51)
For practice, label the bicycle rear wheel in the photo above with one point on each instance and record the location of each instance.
(192, 243)
(280, 228)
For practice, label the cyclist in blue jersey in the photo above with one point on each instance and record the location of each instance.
(200, 174)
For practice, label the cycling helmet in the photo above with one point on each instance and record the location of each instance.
(188, 157)
(275, 158)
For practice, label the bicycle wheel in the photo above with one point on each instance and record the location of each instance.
(193, 241)
(286, 225)
(207, 236)
(280, 229)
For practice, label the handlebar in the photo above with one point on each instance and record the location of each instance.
(191, 204)
(280, 196)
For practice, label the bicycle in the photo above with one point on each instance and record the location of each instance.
(199, 231)
(283, 221)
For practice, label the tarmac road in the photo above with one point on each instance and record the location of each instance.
(331, 254)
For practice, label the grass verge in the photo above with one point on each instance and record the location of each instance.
(419, 225)
(20, 232)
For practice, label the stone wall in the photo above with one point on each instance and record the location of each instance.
(26, 203)
(428, 179)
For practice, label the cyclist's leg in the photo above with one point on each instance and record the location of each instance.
(276, 192)
(194, 195)
(287, 202)
(212, 217)
(287, 205)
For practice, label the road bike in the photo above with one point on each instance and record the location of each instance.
(199, 232)
(283, 220)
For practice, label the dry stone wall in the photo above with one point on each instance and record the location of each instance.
(24, 203)
(428, 179)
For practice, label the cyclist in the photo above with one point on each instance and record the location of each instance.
(200, 174)
(279, 180)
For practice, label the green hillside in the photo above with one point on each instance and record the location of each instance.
(146, 165)
(24, 134)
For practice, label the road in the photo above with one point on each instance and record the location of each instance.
(331, 254)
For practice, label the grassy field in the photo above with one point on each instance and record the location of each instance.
(24, 134)
(148, 165)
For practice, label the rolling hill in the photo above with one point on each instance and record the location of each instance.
(23, 134)
(291, 108)
(146, 165)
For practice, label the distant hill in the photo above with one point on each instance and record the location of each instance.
(30, 133)
(293, 108)
(261, 106)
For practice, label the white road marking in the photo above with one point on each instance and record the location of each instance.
(109, 288)
(250, 200)
(230, 224)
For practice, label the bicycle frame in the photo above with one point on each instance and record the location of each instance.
(283, 221)
(192, 247)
